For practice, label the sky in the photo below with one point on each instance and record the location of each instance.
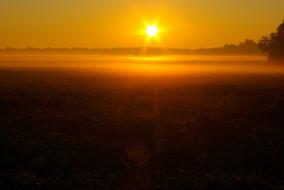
(121, 23)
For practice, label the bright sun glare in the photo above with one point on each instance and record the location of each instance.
(152, 30)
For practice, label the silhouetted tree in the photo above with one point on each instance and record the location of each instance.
(248, 44)
(274, 44)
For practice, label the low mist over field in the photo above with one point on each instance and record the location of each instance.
(179, 64)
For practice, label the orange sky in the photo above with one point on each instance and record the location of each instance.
(118, 23)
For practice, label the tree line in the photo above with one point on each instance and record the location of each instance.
(273, 44)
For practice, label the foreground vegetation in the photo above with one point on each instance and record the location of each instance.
(77, 130)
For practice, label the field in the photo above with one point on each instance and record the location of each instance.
(167, 125)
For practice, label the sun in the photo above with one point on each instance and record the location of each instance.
(152, 31)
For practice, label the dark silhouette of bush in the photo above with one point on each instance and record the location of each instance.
(274, 44)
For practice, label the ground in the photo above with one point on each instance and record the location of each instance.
(78, 129)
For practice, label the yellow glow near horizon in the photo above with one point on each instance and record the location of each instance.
(152, 30)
